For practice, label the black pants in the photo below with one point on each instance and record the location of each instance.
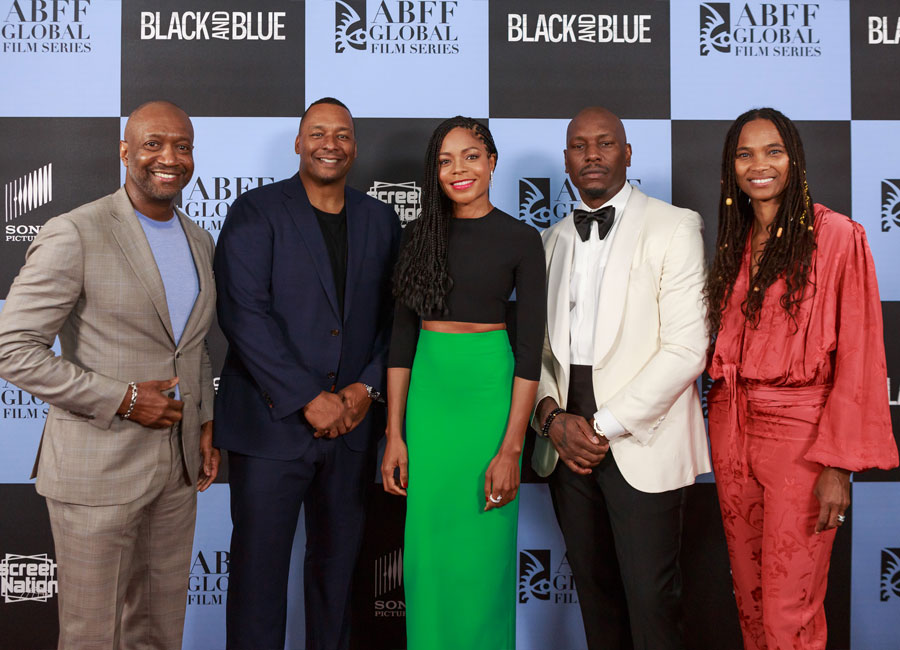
(623, 547)
(331, 481)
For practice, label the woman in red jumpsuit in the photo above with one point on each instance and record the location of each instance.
(800, 394)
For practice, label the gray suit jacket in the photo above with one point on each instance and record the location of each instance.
(90, 278)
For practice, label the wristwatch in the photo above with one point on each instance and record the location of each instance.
(373, 394)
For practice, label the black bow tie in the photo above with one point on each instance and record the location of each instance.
(604, 218)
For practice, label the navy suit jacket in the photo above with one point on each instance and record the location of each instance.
(278, 308)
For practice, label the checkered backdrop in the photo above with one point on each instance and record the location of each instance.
(676, 72)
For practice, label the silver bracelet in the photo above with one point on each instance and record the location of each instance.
(127, 414)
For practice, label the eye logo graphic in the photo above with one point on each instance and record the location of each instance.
(534, 575)
(715, 27)
(890, 204)
(349, 26)
(534, 201)
(890, 574)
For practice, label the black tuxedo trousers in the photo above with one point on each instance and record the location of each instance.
(622, 545)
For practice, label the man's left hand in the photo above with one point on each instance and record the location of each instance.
(357, 401)
(209, 467)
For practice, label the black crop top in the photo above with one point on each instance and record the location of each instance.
(487, 258)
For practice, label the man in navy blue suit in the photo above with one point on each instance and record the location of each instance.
(303, 273)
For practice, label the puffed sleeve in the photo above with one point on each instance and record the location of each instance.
(855, 430)
(405, 331)
(531, 306)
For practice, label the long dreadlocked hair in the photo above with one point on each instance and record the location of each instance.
(421, 280)
(789, 248)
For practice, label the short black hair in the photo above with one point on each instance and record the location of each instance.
(333, 102)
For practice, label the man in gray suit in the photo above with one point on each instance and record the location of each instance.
(126, 284)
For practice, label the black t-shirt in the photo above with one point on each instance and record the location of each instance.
(487, 258)
(334, 230)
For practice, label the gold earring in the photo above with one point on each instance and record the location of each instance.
(728, 200)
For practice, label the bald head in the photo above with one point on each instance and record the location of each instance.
(597, 154)
(158, 153)
(598, 113)
(153, 111)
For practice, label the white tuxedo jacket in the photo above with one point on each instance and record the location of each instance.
(649, 344)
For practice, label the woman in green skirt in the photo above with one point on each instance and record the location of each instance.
(465, 397)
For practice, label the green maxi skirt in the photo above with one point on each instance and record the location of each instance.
(459, 561)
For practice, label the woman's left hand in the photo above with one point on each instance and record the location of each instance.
(501, 481)
(833, 492)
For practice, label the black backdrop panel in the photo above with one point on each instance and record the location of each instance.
(875, 59)
(218, 59)
(552, 61)
(50, 166)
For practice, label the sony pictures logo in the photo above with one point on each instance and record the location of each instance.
(760, 29)
(397, 27)
(890, 204)
(890, 574)
(23, 195)
(388, 583)
(537, 580)
(207, 25)
(405, 198)
(32, 26)
(27, 578)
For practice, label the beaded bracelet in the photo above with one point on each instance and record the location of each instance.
(545, 430)
(134, 392)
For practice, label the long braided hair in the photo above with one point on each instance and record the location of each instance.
(789, 248)
(421, 280)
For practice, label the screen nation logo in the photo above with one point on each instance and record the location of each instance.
(405, 198)
(27, 578)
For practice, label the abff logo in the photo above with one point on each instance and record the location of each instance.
(761, 29)
(537, 208)
(890, 574)
(715, 27)
(46, 26)
(890, 204)
(398, 27)
(538, 582)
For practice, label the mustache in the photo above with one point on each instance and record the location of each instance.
(593, 168)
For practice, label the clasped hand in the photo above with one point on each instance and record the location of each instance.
(578, 445)
(334, 414)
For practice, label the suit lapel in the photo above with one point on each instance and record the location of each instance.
(614, 286)
(559, 273)
(357, 227)
(301, 211)
(200, 255)
(133, 242)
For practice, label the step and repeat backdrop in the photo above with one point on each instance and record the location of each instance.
(676, 72)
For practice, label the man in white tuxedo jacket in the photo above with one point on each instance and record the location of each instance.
(618, 413)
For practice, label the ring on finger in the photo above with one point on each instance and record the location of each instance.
(841, 519)
(495, 500)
